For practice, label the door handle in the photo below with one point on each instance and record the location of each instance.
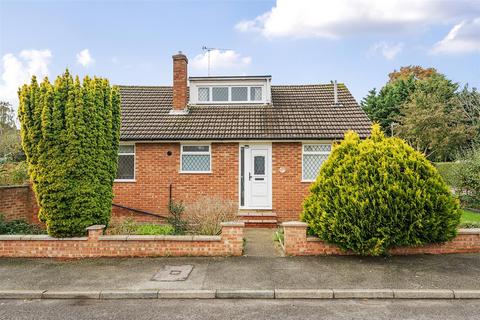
(249, 176)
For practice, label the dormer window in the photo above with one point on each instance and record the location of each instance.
(219, 94)
(239, 93)
(230, 90)
(229, 94)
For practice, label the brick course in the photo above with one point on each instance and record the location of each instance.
(296, 243)
(229, 243)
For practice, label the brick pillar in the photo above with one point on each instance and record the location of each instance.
(232, 237)
(179, 101)
(95, 231)
(295, 237)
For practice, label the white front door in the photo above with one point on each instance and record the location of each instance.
(256, 176)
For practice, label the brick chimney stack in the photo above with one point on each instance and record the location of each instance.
(180, 99)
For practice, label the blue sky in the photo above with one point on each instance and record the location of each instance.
(357, 42)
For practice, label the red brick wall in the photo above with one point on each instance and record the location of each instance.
(229, 243)
(18, 203)
(288, 190)
(296, 243)
(155, 170)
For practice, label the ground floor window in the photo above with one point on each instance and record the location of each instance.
(313, 155)
(126, 162)
(195, 158)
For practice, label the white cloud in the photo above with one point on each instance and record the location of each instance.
(388, 51)
(332, 19)
(17, 71)
(84, 58)
(221, 60)
(462, 38)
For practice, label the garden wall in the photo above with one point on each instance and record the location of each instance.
(296, 243)
(229, 243)
(18, 203)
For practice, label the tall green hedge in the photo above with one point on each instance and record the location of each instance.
(70, 134)
(378, 193)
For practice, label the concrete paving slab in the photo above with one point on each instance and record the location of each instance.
(245, 294)
(260, 243)
(303, 294)
(123, 294)
(21, 294)
(186, 294)
(363, 293)
(423, 294)
(466, 294)
(173, 273)
(71, 295)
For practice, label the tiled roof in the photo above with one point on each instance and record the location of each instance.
(299, 112)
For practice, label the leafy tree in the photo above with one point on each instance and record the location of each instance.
(467, 177)
(425, 108)
(6, 116)
(385, 107)
(469, 101)
(10, 146)
(417, 72)
(379, 193)
(70, 134)
(432, 122)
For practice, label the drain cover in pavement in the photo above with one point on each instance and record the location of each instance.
(173, 273)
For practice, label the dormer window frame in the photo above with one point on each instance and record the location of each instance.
(202, 83)
(229, 94)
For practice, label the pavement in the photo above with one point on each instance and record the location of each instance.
(239, 309)
(260, 243)
(263, 277)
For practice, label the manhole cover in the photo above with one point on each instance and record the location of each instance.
(173, 273)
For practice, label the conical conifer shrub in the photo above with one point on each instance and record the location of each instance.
(70, 134)
(379, 193)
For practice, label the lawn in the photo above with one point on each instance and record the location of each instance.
(470, 219)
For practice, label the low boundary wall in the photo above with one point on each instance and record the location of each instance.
(297, 243)
(229, 243)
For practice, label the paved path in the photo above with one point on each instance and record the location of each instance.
(260, 243)
(457, 271)
(239, 309)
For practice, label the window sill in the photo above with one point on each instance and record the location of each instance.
(195, 172)
(125, 180)
(307, 181)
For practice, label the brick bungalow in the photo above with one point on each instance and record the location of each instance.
(235, 137)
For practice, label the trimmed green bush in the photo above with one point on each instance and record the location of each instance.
(468, 178)
(70, 134)
(378, 193)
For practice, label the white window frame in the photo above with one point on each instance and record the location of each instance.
(209, 94)
(134, 162)
(239, 101)
(312, 153)
(209, 153)
(229, 94)
(250, 93)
